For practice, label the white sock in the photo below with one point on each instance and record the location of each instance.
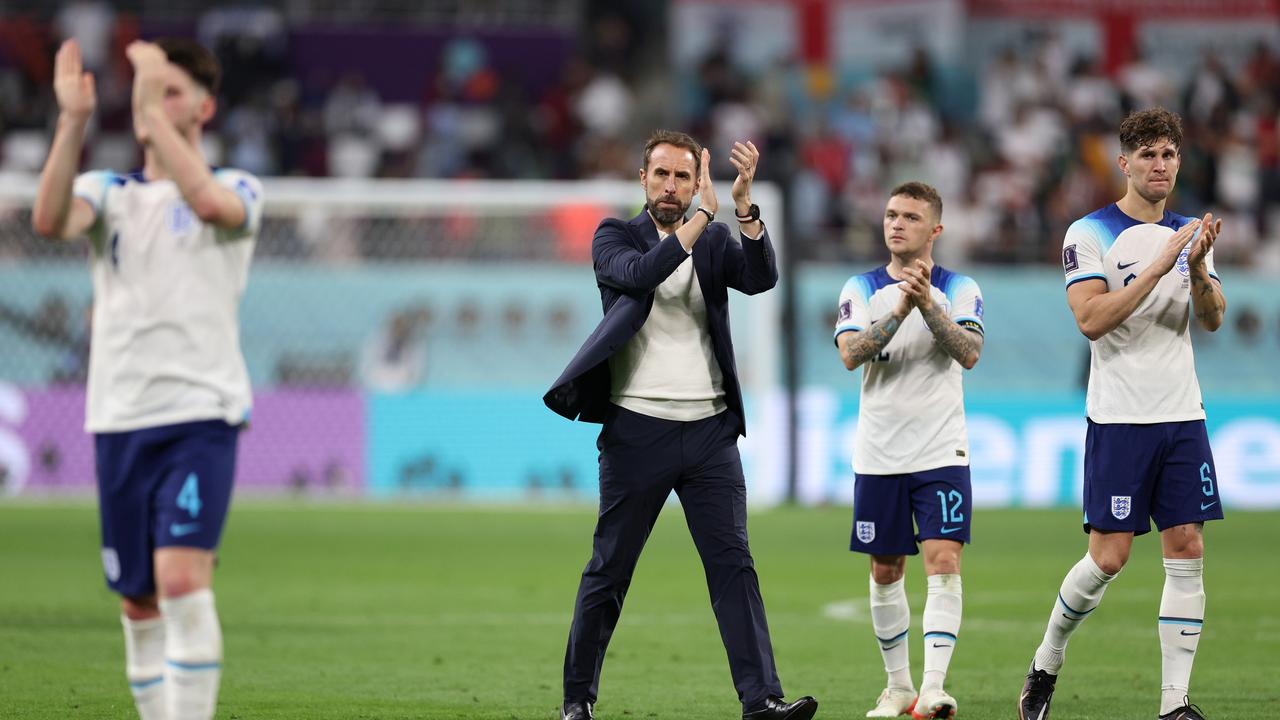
(193, 655)
(144, 665)
(890, 619)
(1080, 593)
(1181, 619)
(942, 607)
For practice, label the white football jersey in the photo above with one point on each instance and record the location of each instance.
(165, 345)
(1144, 370)
(911, 416)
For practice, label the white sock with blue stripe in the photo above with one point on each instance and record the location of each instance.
(942, 608)
(193, 655)
(144, 665)
(890, 620)
(1080, 593)
(1181, 619)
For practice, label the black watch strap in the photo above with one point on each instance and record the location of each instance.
(753, 214)
(711, 217)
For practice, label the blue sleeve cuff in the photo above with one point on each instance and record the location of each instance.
(1091, 276)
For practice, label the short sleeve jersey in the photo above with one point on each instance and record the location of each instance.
(165, 344)
(911, 415)
(1144, 370)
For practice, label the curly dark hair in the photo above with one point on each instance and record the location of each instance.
(1146, 127)
(921, 191)
(678, 139)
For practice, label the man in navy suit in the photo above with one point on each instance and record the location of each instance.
(659, 373)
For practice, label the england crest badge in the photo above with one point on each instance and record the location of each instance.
(865, 531)
(1120, 506)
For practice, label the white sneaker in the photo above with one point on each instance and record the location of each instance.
(934, 704)
(894, 702)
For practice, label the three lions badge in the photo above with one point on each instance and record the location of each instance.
(1120, 506)
(865, 531)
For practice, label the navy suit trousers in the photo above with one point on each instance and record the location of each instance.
(642, 459)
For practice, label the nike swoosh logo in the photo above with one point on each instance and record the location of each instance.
(177, 530)
(942, 645)
(1127, 265)
(1184, 632)
(1206, 507)
(1039, 716)
(882, 647)
(948, 531)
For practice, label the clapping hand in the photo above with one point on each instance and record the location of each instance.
(151, 74)
(745, 158)
(1200, 248)
(1174, 246)
(74, 88)
(915, 284)
(706, 191)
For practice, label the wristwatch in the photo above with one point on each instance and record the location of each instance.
(753, 214)
(711, 217)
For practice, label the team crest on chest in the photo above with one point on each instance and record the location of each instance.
(865, 531)
(179, 218)
(1182, 265)
(1120, 506)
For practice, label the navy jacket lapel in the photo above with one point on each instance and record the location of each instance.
(647, 231)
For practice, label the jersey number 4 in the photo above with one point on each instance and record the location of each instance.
(189, 496)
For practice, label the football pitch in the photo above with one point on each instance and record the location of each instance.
(416, 611)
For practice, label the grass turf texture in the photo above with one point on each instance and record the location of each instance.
(421, 612)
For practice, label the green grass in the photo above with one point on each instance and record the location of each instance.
(420, 612)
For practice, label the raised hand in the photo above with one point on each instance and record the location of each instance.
(151, 70)
(74, 88)
(145, 56)
(1173, 247)
(745, 158)
(707, 192)
(1200, 248)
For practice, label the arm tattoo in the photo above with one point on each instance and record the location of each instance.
(867, 344)
(1204, 299)
(959, 343)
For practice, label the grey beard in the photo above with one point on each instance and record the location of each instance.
(666, 217)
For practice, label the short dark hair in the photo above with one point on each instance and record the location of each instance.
(920, 191)
(195, 59)
(678, 139)
(1145, 127)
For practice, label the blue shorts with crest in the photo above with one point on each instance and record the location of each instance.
(166, 486)
(939, 500)
(1159, 471)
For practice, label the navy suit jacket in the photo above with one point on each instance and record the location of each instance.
(630, 264)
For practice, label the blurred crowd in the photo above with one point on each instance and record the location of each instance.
(1028, 150)
(1036, 152)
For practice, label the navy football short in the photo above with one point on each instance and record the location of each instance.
(165, 486)
(1136, 473)
(940, 501)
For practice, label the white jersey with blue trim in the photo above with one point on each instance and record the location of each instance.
(1144, 370)
(165, 345)
(911, 416)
